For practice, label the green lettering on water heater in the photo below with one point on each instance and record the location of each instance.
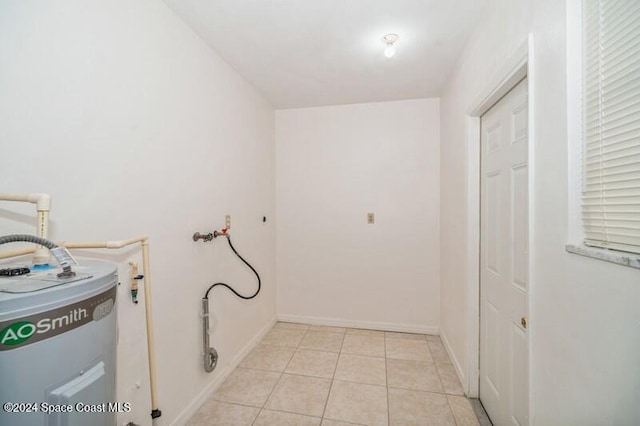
(17, 333)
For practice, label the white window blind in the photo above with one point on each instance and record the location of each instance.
(611, 124)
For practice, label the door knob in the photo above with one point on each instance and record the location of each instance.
(523, 321)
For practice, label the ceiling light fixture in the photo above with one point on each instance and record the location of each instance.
(389, 40)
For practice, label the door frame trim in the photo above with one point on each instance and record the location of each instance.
(518, 66)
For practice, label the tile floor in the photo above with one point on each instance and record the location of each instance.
(332, 376)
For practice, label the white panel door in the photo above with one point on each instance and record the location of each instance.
(503, 260)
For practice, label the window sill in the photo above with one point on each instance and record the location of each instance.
(621, 258)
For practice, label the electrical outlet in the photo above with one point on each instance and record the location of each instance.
(227, 221)
(371, 218)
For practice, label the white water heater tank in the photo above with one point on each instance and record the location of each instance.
(58, 346)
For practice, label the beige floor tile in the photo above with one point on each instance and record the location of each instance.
(423, 387)
(214, 413)
(291, 326)
(284, 337)
(300, 394)
(245, 386)
(415, 375)
(363, 345)
(328, 422)
(327, 329)
(273, 418)
(449, 379)
(313, 363)
(268, 357)
(322, 341)
(357, 403)
(416, 350)
(361, 369)
(410, 336)
(462, 411)
(365, 332)
(407, 407)
(438, 352)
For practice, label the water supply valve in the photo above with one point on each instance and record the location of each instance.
(135, 277)
(204, 237)
(221, 233)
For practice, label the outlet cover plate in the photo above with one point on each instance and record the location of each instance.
(371, 218)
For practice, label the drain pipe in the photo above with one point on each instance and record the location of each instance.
(210, 357)
(144, 241)
(43, 207)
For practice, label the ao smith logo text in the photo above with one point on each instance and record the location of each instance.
(19, 332)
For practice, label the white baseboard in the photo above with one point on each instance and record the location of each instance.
(206, 393)
(455, 362)
(370, 325)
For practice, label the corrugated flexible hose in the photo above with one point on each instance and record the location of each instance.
(17, 238)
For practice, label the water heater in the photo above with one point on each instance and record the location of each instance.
(58, 346)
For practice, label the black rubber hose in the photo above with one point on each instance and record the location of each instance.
(206, 295)
(15, 238)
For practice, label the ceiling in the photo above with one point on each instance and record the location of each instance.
(302, 53)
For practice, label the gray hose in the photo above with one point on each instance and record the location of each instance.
(27, 239)
(66, 269)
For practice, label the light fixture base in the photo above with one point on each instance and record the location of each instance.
(389, 41)
(390, 38)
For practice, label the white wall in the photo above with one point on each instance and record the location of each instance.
(500, 31)
(335, 164)
(134, 125)
(583, 332)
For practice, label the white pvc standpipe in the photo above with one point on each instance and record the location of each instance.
(149, 318)
(147, 299)
(17, 252)
(41, 255)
